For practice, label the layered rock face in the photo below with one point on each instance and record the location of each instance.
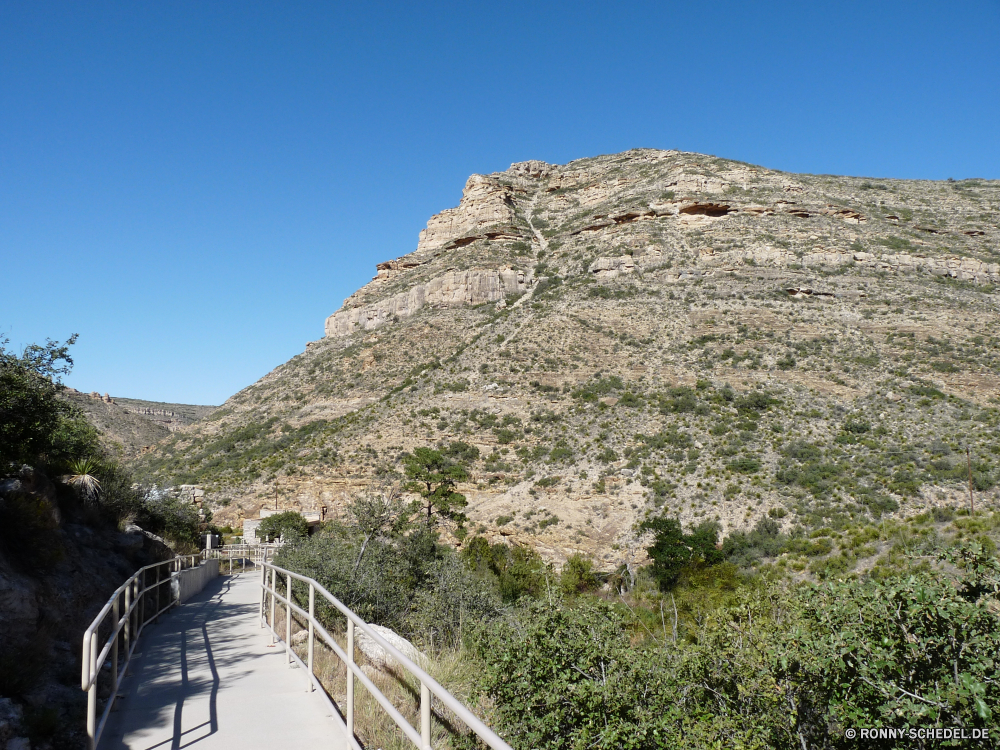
(454, 288)
(656, 220)
(486, 212)
(486, 204)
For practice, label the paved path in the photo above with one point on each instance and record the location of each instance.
(204, 676)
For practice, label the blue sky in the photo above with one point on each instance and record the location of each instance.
(194, 186)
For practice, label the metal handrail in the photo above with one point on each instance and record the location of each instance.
(256, 553)
(135, 591)
(428, 685)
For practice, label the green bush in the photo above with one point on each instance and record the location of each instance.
(36, 426)
(673, 550)
(744, 465)
(765, 540)
(519, 572)
(770, 667)
(577, 575)
(289, 525)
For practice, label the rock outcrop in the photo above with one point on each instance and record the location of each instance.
(473, 287)
(487, 204)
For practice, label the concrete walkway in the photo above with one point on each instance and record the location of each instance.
(204, 676)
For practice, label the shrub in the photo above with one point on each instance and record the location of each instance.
(36, 426)
(786, 362)
(755, 401)
(519, 571)
(765, 540)
(561, 453)
(857, 426)
(744, 465)
(504, 435)
(630, 399)
(577, 575)
(289, 525)
(679, 400)
(451, 596)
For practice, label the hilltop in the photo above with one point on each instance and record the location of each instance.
(643, 333)
(129, 426)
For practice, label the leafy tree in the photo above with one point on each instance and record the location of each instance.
(672, 550)
(380, 589)
(377, 511)
(913, 651)
(36, 426)
(434, 476)
(288, 525)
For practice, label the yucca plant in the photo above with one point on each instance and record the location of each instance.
(83, 479)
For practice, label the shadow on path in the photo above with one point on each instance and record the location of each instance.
(205, 677)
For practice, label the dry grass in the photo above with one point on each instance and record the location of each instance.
(373, 727)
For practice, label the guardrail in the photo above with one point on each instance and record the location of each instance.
(428, 685)
(256, 553)
(140, 597)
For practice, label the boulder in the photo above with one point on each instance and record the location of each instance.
(378, 656)
(130, 542)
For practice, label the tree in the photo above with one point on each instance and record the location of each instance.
(434, 476)
(378, 510)
(36, 426)
(289, 525)
(672, 550)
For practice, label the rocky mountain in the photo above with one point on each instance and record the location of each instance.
(646, 332)
(130, 426)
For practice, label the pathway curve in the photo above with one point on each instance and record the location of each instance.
(206, 677)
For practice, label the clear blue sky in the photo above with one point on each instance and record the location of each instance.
(194, 186)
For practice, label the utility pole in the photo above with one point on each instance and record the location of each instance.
(968, 459)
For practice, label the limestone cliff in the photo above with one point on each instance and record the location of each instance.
(473, 287)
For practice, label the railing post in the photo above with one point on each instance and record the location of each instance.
(425, 716)
(312, 617)
(288, 620)
(263, 594)
(128, 617)
(274, 590)
(350, 677)
(92, 695)
(116, 614)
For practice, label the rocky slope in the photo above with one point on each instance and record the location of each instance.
(130, 426)
(59, 563)
(646, 332)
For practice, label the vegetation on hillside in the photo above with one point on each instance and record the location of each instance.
(710, 645)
